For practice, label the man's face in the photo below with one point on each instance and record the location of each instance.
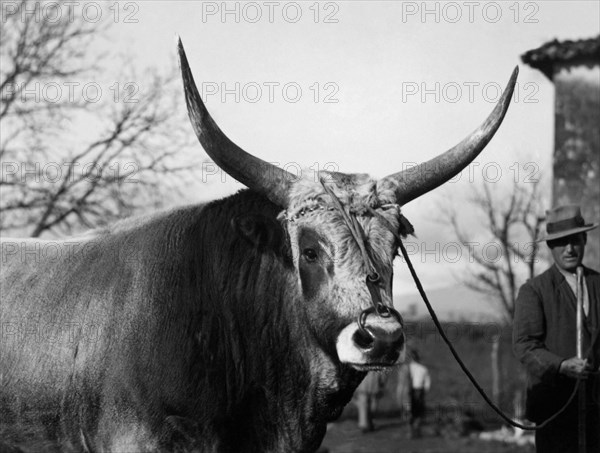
(568, 251)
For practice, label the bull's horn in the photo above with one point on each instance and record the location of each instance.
(255, 173)
(414, 182)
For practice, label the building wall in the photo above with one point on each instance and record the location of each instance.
(577, 147)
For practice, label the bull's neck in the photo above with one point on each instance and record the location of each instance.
(267, 379)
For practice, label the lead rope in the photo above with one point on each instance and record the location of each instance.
(453, 351)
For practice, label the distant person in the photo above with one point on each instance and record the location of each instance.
(545, 336)
(403, 392)
(420, 383)
(367, 395)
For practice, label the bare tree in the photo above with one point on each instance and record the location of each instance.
(72, 161)
(512, 224)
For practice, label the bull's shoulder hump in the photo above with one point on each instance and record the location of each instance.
(88, 236)
(120, 226)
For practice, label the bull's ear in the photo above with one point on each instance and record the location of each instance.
(261, 231)
(406, 227)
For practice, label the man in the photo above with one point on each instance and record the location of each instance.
(545, 337)
(420, 383)
(367, 395)
(403, 387)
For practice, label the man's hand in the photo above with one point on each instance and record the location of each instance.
(575, 368)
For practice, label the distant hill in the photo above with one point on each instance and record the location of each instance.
(452, 303)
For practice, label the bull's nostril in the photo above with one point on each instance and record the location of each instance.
(363, 339)
(399, 342)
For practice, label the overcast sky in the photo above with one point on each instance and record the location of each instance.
(362, 86)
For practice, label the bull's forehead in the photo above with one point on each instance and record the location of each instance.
(311, 207)
(356, 192)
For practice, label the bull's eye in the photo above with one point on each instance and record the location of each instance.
(310, 255)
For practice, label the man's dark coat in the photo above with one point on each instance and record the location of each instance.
(544, 334)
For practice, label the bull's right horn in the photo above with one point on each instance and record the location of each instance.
(263, 177)
(414, 182)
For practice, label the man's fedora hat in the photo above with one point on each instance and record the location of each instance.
(564, 221)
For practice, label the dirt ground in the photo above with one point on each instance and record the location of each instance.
(392, 436)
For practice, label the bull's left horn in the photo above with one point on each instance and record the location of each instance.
(255, 173)
(414, 182)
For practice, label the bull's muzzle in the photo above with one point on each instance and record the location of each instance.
(379, 343)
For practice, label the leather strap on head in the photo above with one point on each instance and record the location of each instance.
(353, 226)
(373, 279)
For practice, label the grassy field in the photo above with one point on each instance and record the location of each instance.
(391, 436)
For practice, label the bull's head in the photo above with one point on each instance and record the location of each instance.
(343, 228)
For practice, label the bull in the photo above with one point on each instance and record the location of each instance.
(228, 326)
